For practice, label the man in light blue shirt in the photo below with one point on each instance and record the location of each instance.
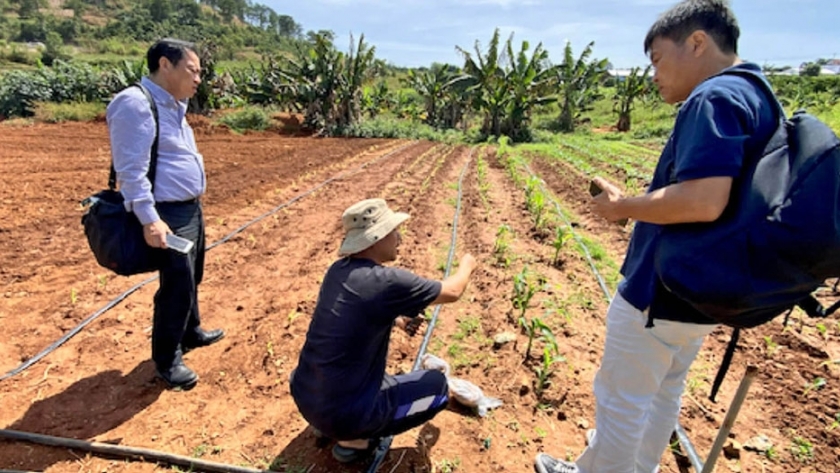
(172, 204)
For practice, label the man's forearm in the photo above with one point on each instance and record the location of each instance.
(685, 202)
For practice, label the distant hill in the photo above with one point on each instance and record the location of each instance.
(128, 26)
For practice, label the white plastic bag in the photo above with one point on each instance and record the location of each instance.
(463, 391)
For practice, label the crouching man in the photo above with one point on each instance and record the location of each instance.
(340, 385)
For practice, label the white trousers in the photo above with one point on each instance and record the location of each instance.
(638, 389)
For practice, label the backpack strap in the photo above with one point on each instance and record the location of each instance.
(112, 177)
(724, 365)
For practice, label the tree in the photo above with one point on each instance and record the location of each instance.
(531, 80)
(627, 91)
(54, 48)
(326, 84)
(78, 7)
(810, 69)
(434, 85)
(578, 80)
(29, 8)
(489, 88)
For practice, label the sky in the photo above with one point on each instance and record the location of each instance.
(416, 33)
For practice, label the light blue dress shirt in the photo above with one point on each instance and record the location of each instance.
(180, 167)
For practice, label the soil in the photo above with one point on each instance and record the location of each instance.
(261, 287)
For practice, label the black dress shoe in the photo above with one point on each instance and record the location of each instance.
(178, 376)
(201, 338)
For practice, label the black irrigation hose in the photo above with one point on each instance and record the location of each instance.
(691, 452)
(125, 452)
(385, 443)
(75, 331)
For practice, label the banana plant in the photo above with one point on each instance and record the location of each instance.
(578, 80)
(627, 91)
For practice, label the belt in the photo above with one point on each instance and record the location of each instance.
(193, 201)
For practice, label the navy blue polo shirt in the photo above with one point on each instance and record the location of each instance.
(341, 367)
(725, 118)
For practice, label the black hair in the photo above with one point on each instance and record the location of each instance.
(172, 49)
(715, 17)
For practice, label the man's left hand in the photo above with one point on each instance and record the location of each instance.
(410, 324)
(606, 204)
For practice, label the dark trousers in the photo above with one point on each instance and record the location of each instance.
(176, 315)
(418, 397)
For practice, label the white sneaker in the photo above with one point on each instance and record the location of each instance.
(545, 463)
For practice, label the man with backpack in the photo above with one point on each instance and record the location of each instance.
(653, 335)
(168, 200)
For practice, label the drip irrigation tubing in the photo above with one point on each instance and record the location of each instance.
(125, 452)
(75, 331)
(691, 452)
(385, 443)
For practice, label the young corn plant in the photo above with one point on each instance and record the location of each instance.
(544, 371)
(523, 291)
(535, 201)
(500, 247)
(561, 237)
(536, 328)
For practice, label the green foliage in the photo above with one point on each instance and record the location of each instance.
(544, 371)
(249, 118)
(524, 289)
(578, 79)
(326, 84)
(626, 92)
(19, 91)
(505, 86)
(501, 246)
(443, 90)
(68, 112)
(561, 236)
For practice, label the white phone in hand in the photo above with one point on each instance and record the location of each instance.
(181, 245)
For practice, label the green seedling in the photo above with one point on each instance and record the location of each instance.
(536, 328)
(500, 247)
(802, 449)
(561, 237)
(103, 281)
(770, 345)
(448, 466)
(544, 371)
(814, 385)
(523, 291)
(823, 330)
(74, 296)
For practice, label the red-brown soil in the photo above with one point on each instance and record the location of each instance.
(261, 287)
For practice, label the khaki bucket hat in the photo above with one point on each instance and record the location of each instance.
(367, 222)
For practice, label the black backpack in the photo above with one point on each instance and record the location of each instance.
(778, 239)
(114, 235)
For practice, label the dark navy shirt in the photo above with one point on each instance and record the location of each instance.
(342, 364)
(726, 118)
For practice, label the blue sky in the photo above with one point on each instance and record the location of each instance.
(419, 32)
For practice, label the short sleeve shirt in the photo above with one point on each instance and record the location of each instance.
(342, 364)
(725, 118)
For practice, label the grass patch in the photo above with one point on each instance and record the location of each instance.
(68, 112)
(249, 118)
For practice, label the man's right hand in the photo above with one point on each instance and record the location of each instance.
(468, 262)
(155, 234)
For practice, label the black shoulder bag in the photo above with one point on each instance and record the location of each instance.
(115, 235)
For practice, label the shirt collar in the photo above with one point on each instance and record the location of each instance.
(161, 95)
